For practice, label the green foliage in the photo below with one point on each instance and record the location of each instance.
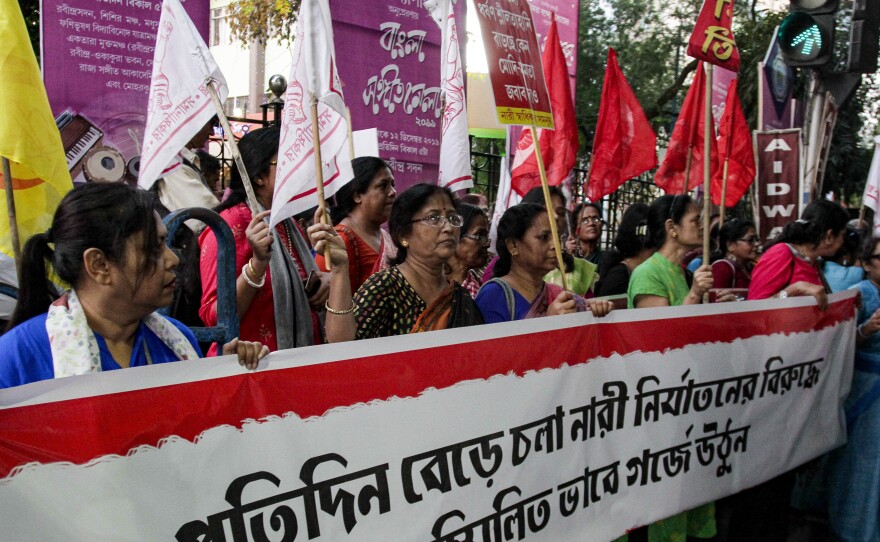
(31, 11)
(260, 20)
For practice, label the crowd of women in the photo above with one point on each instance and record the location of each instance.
(419, 261)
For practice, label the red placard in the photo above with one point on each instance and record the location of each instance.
(514, 59)
(778, 156)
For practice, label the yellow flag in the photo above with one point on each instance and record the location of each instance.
(29, 137)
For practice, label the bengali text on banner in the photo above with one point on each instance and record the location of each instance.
(557, 428)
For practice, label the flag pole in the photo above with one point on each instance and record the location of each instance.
(724, 190)
(319, 172)
(10, 209)
(707, 165)
(548, 201)
(233, 148)
(350, 133)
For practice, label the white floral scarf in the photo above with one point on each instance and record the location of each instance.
(75, 348)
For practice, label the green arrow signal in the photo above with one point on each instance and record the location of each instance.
(807, 39)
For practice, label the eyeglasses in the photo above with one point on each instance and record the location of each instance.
(592, 220)
(437, 221)
(752, 240)
(481, 239)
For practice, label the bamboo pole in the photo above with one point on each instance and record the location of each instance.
(548, 201)
(233, 148)
(724, 191)
(319, 173)
(707, 167)
(10, 210)
(350, 132)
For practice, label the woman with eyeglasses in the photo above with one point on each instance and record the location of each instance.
(588, 232)
(791, 266)
(525, 254)
(413, 295)
(739, 240)
(473, 248)
(362, 206)
(275, 300)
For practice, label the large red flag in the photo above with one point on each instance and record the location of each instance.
(625, 144)
(559, 146)
(734, 147)
(712, 40)
(684, 157)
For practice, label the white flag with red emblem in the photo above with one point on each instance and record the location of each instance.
(871, 196)
(180, 104)
(313, 77)
(455, 146)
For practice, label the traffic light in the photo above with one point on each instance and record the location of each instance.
(864, 43)
(806, 35)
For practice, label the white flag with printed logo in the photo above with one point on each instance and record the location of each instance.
(180, 104)
(313, 76)
(455, 148)
(871, 196)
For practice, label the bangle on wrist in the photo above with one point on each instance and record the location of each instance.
(333, 311)
(250, 265)
(860, 332)
(255, 285)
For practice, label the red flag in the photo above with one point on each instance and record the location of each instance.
(712, 40)
(687, 139)
(559, 146)
(625, 145)
(734, 147)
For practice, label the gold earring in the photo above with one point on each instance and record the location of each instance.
(404, 243)
(674, 235)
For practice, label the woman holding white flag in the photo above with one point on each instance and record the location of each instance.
(108, 243)
(362, 206)
(279, 289)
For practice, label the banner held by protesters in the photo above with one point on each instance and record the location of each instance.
(605, 435)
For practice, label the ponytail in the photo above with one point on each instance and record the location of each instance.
(34, 291)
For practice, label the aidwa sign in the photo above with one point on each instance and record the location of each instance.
(779, 174)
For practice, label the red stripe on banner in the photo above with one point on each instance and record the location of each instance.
(80, 430)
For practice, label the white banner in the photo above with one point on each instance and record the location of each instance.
(313, 77)
(179, 104)
(562, 428)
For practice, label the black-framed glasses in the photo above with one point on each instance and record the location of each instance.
(481, 239)
(752, 240)
(437, 221)
(592, 220)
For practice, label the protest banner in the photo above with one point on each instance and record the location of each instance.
(778, 180)
(514, 59)
(97, 61)
(476, 433)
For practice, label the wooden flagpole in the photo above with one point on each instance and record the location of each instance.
(10, 210)
(548, 201)
(707, 165)
(319, 172)
(350, 132)
(233, 148)
(724, 189)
